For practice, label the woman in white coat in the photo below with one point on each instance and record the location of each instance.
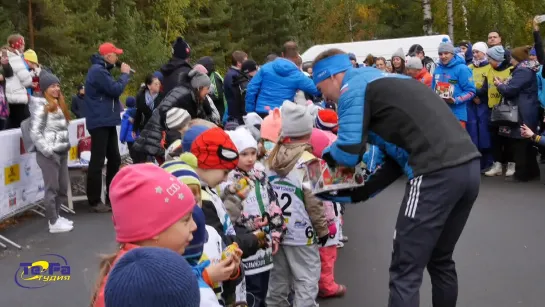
(49, 133)
(16, 86)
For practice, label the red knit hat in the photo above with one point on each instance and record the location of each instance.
(328, 120)
(146, 200)
(215, 150)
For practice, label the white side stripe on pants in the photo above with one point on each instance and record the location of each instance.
(414, 195)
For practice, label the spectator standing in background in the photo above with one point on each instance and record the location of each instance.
(353, 60)
(398, 62)
(78, 102)
(237, 58)
(216, 86)
(417, 71)
(467, 49)
(418, 51)
(5, 72)
(102, 115)
(240, 84)
(18, 86)
(380, 64)
(453, 81)
(177, 65)
(271, 57)
(278, 81)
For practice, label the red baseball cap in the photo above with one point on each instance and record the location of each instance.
(108, 48)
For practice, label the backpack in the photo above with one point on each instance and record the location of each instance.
(541, 87)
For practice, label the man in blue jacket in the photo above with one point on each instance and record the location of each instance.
(453, 81)
(102, 115)
(278, 81)
(419, 137)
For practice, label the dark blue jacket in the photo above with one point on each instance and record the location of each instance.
(102, 91)
(522, 91)
(274, 83)
(230, 77)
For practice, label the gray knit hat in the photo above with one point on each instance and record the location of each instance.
(496, 53)
(198, 79)
(399, 53)
(296, 120)
(414, 63)
(177, 118)
(47, 79)
(445, 46)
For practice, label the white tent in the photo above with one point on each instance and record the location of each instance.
(380, 48)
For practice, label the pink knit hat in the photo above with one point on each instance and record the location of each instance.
(146, 200)
(319, 140)
(271, 126)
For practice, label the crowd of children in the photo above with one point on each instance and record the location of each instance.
(237, 206)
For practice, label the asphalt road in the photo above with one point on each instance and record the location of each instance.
(499, 257)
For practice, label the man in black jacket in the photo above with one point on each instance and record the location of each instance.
(240, 83)
(77, 102)
(177, 65)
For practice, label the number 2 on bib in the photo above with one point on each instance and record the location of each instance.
(286, 203)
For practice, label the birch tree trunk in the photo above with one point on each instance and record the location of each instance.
(466, 27)
(450, 19)
(428, 18)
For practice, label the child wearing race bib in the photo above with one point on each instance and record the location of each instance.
(270, 132)
(215, 156)
(204, 251)
(297, 263)
(328, 253)
(258, 210)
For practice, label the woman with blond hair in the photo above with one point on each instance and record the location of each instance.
(49, 134)
(16, 92)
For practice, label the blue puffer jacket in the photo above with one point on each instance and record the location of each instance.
(374, 158)
(102, 91)
(125, 134)
(458, 75)
(275, 82)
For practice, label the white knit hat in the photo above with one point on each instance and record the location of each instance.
(177, 118)
(480, 46)
(242, 138)
(414, 63)
(296, 120)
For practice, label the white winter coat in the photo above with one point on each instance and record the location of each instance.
(15, 89)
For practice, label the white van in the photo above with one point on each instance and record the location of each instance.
(380, 48)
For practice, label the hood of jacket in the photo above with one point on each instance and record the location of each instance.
(506, 64)
(284, 67)
(208, 63)
(456, 60)
(97, 59)
(172, 65)
(287, 156)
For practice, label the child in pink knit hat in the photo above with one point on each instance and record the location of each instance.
(150, 208)
(270, 132)
(319, 140)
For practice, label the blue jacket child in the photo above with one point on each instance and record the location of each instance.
(125, 135)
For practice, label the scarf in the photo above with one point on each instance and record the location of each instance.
(533, 65)
(479, 63)
(150, 100)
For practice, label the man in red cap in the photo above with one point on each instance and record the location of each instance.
(102, 115)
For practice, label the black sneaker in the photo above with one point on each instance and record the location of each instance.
(100, 208)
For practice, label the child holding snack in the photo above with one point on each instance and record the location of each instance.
(216, 156)
(328, 253)
(297, 262)
(258, 210)
(207, 245)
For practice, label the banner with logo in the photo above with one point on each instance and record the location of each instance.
(21, 181)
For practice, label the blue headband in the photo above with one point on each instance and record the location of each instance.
(330, 66)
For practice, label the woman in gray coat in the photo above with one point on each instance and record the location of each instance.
(49, 132)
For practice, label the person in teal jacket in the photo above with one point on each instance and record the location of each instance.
(453, 81)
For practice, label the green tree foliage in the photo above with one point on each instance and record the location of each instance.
(68, 32)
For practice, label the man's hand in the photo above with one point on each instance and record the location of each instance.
(125, 68)
(497, 81)
(477, 100)
(526, 132)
